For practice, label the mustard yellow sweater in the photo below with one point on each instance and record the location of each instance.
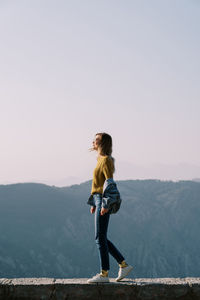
(104, 170)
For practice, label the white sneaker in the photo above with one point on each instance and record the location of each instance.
(123, 272)
(98, 278)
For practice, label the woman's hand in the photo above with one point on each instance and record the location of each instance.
(104, 211)
(92, 209)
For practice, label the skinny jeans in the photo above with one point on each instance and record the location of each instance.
(104, 245)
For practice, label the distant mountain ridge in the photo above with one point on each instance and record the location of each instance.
(48, 231)
(196, 179)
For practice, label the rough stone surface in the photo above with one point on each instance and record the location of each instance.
(77, 289)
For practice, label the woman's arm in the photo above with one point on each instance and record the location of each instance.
(108, 173)
(108, 168)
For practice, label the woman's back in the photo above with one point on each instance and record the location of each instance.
(104, 170)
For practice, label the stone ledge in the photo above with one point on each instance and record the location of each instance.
(77, 289)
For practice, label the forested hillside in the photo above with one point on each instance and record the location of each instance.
(46, 231)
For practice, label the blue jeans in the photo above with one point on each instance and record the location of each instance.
(103, 244)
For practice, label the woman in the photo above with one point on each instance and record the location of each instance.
(104, 170)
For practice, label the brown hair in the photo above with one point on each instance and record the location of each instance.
(105, 145)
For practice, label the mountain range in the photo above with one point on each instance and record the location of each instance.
(48, 231)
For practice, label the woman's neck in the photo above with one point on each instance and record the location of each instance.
(100, 156)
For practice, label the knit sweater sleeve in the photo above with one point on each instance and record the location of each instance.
(108, 168)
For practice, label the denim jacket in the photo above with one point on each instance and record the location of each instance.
(111, 198)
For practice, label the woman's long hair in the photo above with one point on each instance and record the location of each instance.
(105, 146)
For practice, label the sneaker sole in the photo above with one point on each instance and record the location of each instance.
(106, 281)
(118, 279)
(99, 282)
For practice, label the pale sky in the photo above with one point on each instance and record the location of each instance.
(70, 69)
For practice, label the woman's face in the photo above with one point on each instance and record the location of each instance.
(96, 142)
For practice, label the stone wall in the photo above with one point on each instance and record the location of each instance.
(78, 289)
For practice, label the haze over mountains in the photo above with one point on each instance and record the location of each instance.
(125, 170)
(47, 231)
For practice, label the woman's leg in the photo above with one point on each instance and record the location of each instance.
(101, 226)
(115, 252)
(104, 245)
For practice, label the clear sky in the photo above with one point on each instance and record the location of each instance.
(69, 69)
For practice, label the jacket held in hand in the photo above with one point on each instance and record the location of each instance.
(111, 198)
